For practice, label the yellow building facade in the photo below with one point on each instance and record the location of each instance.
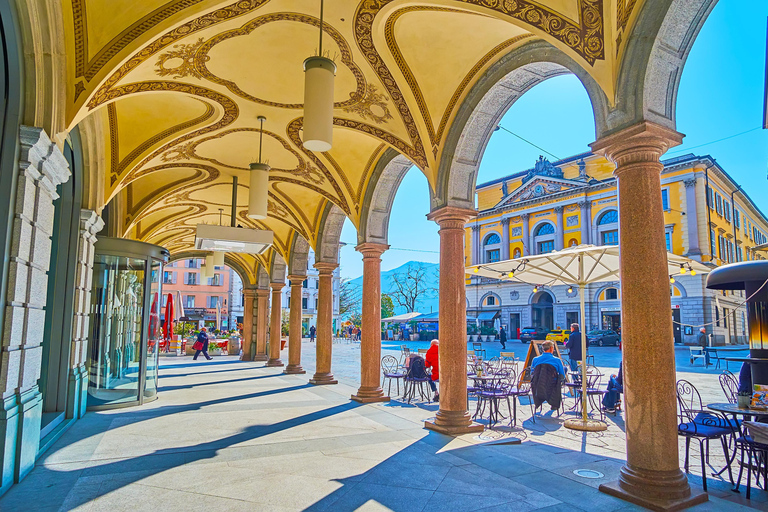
(554, 205)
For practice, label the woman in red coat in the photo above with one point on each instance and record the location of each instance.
(432, 361)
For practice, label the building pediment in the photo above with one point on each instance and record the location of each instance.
(539, 186)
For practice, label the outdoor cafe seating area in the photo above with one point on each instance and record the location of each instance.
(499, 390)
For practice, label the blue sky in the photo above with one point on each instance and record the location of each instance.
(720, 95)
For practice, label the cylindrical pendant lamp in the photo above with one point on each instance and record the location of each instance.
(257, 193)
(209, 270)
(319, 73)
(218, 258)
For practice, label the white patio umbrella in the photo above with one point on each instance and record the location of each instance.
(218, 317)
(579, 266)
(179, 310)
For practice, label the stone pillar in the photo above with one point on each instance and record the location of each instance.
(476, 259)
(250, 321)
(370, 344)
(324, 342)
(77, 392)
(452, 418)
(276, 324)
(585, 220)
(294, 331)
(559, 228)
(262, 318)
(526, 234)
(651, 476)
(505, 238)
(694, 251)
(42, 167)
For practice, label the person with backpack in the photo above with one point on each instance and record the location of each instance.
(432, 361)
(201, 345)
(312, 332)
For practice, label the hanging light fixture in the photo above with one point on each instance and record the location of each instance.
(671, 280)
(511, 273)
(535, 289)
(209, 270)
(682, 269)
(319, 72)
(257, 187)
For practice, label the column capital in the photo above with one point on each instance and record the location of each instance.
(643, 142)
(371, 249)
(452, 217)
(475, 228)
(691, 182)
(584, 204)
(559, 210)
(250, 292)
(296, 280)
(262, 292)
(276, 287)
(326, 268)
(505, 221)
(525, 216)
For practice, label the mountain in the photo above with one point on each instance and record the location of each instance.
(426, 304)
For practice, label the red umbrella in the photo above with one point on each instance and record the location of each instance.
(169, 317)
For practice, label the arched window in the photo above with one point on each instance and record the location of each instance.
(545, 229)
(609, 217)
(492, 248)
(491, 239)
(544, 238)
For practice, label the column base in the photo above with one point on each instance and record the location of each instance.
(245, 357)
(322, 379)
(294, 369)
(275, 362)
(261, 357)
(453, 423)
(664, 491)
(368, 395)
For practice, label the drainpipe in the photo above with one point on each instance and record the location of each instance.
(733, 219)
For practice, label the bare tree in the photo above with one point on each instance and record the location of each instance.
(350, 298)
(411, 285)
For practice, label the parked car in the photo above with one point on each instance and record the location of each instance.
(601, 338)
(533, 333)
(559, 335)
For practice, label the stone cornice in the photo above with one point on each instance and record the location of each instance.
(42, 160)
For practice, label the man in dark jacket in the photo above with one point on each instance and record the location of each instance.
(503, 338)
(312, 332)
(202, 338)
(703, 342)
(547, 378)
(574, 347)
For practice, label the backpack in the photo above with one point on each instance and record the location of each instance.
(417, 369)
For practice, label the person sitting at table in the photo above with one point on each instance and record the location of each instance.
(548, 374)
(745, 378)
(615, 388)
(432, 362)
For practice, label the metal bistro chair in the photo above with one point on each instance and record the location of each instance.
(405, 353)
(520, 389)
(417, 377)
(754, 443)
(390, 369)
(730, 385)
(479, 350)
(491, 391)
(695, 423)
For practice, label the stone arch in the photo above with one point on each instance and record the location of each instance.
(246, 275)
(489, 99)
(488, 234)
(680, 288)
(598, 229)
(604, 287)
(653, 61)
(490, 294)
(278, 270)
(384, 183)
(331, 223)
(297, 262)
(538, 295)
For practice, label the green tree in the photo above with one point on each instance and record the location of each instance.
(387, 306)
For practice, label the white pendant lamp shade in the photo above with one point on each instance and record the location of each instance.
(218, 258)
(319, 73)
(209, 270)
(257, 193)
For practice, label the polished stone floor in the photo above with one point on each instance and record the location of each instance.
(226, 435)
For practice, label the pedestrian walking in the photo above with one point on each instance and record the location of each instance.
(574, 347)
(201, 345)
(312, 332)
(503, 338)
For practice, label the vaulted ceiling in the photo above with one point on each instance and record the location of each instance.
(171, 90)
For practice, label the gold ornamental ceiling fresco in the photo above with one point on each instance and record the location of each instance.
(178, 85)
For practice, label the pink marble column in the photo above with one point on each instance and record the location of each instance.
(370, 344)
(249, 323)
(652, 476)
(294, 329)
(276, 324)
(324, 342)
(262, 318)
(452, 418)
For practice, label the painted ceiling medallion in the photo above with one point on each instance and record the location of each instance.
(373, 105)
(184, 53)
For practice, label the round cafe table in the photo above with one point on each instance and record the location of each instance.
(735, 411)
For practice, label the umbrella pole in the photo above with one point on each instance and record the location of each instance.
(584, 423)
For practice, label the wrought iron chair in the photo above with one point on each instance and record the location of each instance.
(390, 369)
(730, 385)
(695, 423)
(417, 377)
(491, 391)
(479, 350)
(520, 389)
(754, 444)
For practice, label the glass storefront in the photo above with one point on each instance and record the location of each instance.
(125, 323)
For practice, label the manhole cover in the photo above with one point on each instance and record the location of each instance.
(587, 473)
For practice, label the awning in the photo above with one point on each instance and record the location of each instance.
(488, 315)
(405, 317)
